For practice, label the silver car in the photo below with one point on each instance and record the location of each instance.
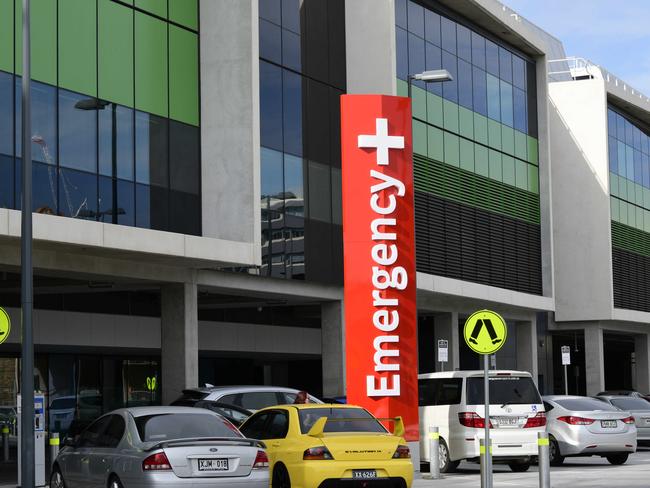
(640, 410)
(151, 447)
(584, 426)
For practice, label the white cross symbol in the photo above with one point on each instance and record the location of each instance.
(382, 141)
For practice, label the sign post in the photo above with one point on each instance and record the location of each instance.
(566, 360)
(443, 353)
(485, 333)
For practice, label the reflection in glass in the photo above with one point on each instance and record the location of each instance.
(77, 194)
(271, 106)
(43, 187)
(6, 181)
(505, 64)
(291, 15)
(272, 206)
(478, 50)
(90, 395)
(416, 19)
(521, 117)
(518, 72)
(6, 114)
(125, 202)
(492, 57)
(123, 142)
(494, 107)
(320, 203)
(450, 88)
(506, 104)
(464, 43)
(402, 53)
(141, 379)
(184, 163)
(77, 133)
(61, 392)
(151, 204)
(479, 82)
(291, 50)
(433, 61)
(432, 27)
(151, 165)
(292, 108)
(448, 34)
(270, 10)
(416, 57)
(465, 84)
(44, 141)
(400, 13)
(270, 41)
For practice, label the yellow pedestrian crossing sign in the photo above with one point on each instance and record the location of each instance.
(5, 325)
(485, 332)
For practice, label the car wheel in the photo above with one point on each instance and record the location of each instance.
(519, 467)
(280, 477)
(617, 459)
(446, 465)
(115, 483)
(556, 458)
(56, 478)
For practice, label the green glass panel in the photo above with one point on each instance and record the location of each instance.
(614, 209)
(638, 190)
(450, 110)
(613, 184)
(496, 167)
(436, 144)
(639, 218)
(646, 220)
(631, 215)
(434, 110)
(151, 65)
(184, 12)
(533, 156)
(621, 156)
(419, 103)
(7, 35)
(184, 76)
(480, 129)
(630, 191)
(402, 88)
(157, 7)
(622, 188)
(520, 145)
(452, 149)
(507, 140)
(43, 25)
(533, 178)
(622, 215)
(467, 155)
(466, 122)
(521, 174)
(508, 170)
(115, 53)
(646, 198)
(481, 163)
(419, 137)
(78, 46)
(494, 134)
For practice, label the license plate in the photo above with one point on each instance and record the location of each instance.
(213, 465)
(508, 421)
(608, 424)
(364, 474)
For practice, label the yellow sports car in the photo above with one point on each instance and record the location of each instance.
(326, 446)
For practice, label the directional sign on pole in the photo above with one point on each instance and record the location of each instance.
(566, 355)
(443, 351)
(485, 332)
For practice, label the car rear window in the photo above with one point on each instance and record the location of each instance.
(584, 404)
(439, 391)
(512, 390)
(631, 403)
(189, 397)
(162, 427)
(340, 420)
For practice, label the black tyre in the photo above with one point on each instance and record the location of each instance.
(115, 482)
(280, 477)
(555, 456)
(56, 478)
(446, 465)
(519, 467)
(617, 459)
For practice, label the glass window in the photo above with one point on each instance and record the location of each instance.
(492, 57)
(184, 161)
(638, 167)
(584, 404)
(631, 403)
(61, 392)
(291, 15)
(465, 84)
(504, 389)
(518, 72)
(151, 204)
(402, 54)
(271, 105)
(448, 34)
(256, 400)
(184, 213)
(613, 165)
(183, 75)
(505, 64)
(6, 114)
(115, 52)
(125, 197)
(320, 194)
(479, 82)
(620, 127)
(520, 117)
(344, 420)
(77, 194)
(464, 43)
(291, 50)
(646, 171)
(416, 57)
(416, 19)
(92, 436)
(270, 10)
(6, 181)
(629, 133)
(44, 139)
(151, 163)
(78, 131)
(637, 138)
(493, 102)
(122, 117)
(151, 70)
(114, 431)
(644, 143)
(435, 392)
(254, 427)
(450, 88)
(293, 177)
(506, 104)
(432, 27)
(400, 12)
(478, 50)
(433, 61)
(163, 427)
(292, 112)
(611, 122)
(271, 172)
(278, 425)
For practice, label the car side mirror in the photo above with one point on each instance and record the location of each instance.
(70, 442)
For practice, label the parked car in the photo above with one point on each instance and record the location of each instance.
(638, 408)
(160, 446)
(454, 402)
(632, 393)
(251, 398)
(236, 415)
(328, 445)
(584, 426)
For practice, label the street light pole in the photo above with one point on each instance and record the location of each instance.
(27, 285)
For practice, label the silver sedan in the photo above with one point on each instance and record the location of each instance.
(584, 426)
(638, 407)
(151, 447)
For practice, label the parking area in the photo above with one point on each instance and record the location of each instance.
(575, 473)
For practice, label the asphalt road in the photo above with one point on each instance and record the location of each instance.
(587, 472)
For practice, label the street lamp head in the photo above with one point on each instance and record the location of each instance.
(91, 104)
(436, 75)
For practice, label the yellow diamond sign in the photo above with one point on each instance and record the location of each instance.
(5, 325)
(485, 332)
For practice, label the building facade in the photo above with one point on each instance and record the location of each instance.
(187, 194)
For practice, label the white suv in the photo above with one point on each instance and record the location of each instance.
(251, 398)
(454, 402)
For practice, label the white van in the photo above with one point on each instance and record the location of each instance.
(454, 402)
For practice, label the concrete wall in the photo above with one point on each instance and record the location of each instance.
(581, 203)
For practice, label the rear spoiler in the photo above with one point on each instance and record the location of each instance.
(189, 441)
(318, 428)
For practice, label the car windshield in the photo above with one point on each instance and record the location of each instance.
(584, 404)
(162, 427)
(340, 420)
(631, 403)
(511, 390)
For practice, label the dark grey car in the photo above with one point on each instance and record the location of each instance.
(148, 447)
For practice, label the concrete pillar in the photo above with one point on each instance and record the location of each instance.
(333, 347)
(594, 359)
(445, 326)
(642, 353)
(526, 339)
(180, 339)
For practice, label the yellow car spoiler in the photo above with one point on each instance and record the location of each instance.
(319, 426)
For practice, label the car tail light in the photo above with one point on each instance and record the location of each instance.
(538, 420)
(628, 420)
(156, 462)
(317, 453)
(402, 452)
(571, 420)
(472, 419)
(261, 461)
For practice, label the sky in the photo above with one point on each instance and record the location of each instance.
(613, 34)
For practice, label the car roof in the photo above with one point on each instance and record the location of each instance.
(614, 397)
(308, 406)
(555, 398)
(241, 389)
(473, 373)
(155, 410)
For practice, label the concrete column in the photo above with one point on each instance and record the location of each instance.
(527, 347)
(333, 346)
(642, 353)
(180, 339)
(594, 359)
(445, 326)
